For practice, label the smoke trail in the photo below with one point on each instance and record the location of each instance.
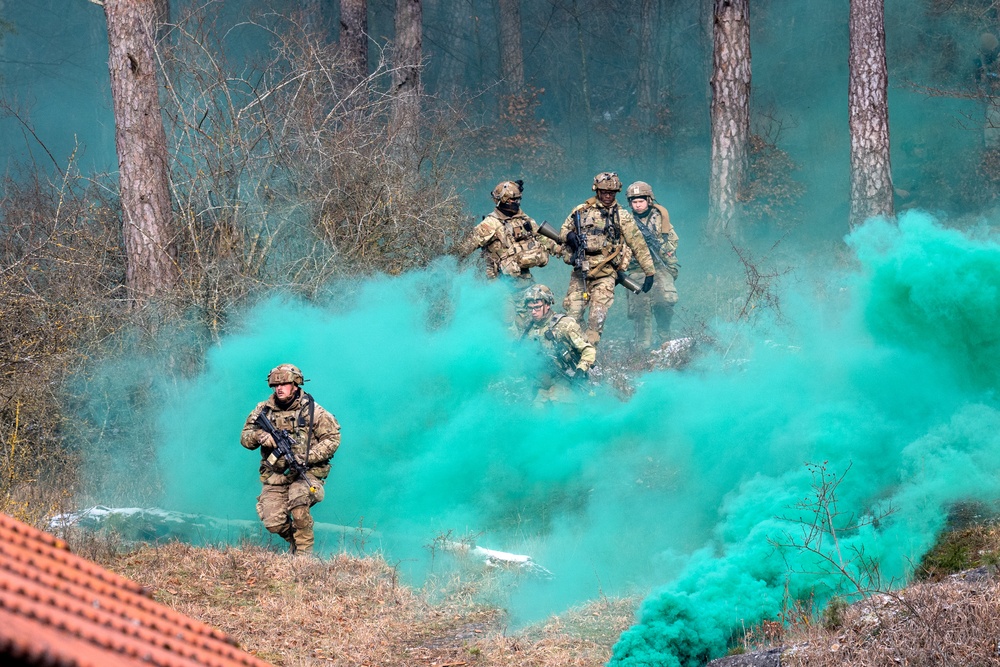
(899, 399)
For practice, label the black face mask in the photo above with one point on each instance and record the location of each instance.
(509, 207)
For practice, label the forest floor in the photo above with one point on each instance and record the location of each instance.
(300, 612)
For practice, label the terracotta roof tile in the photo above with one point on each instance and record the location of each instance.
(58, 609)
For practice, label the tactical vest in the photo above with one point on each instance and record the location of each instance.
(602, 229)
(514, 249)
(297, 420)
(565, 357)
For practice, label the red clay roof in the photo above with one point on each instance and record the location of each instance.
(57, 609)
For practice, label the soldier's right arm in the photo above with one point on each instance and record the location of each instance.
(481, 235)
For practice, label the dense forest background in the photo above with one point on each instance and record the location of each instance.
(579, 111)
(301, 203)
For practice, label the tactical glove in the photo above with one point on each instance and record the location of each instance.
(264, 439)
(572, 241)
(647, 284)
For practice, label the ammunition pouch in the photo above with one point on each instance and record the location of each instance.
(533, 256)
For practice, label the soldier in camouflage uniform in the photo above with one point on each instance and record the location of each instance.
(283, 505)
(610, 239)
(561, 339)
(508, 237)
(653, 222)
(510, 244)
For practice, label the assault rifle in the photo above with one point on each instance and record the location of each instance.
(579, 253)
(653, 242)
(282, 444)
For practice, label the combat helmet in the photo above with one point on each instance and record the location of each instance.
(506, 191)
(639, 189)
(607, 180)
(284, 374)
(539, 293)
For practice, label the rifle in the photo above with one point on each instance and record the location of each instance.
(653, 242)
(564, 358)
(282, 445)
(621, 278)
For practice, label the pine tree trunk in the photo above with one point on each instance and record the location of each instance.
(405, 124)
(647, 57)
(142, 149)
(354, 40)
(511, 55)
(871, 173)
(314, 17)
(730, 112)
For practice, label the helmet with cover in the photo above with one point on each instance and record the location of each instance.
(539, 293)
(285, 374)
(639, 189)
(607, 180)
(507, 191)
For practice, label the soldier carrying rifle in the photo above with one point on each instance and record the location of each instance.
(653, 222)
(601, 238)
(292, 480)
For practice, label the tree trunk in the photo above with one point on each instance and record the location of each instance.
(730, 112)
(142, 149)
(314, 17)
(354, 40)
(511, 55)
(584, 79)
(405, 124)
(871, 174)
(647, 57)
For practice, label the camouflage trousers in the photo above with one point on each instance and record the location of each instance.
(657, 303)
(284, 510)
(597, 294)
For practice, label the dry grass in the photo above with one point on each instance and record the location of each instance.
(350, 611)
(953, 622)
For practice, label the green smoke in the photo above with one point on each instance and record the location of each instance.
(896, 397)
(698, 484)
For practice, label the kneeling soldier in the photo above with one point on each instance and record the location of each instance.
(561, 339)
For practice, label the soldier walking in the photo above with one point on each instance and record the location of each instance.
(284, 502)
(601, 238)
(510, 244)
(653, 222)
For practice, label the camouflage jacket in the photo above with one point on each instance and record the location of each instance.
(659, 235)
(609, 231)
(510, 244)
(562, 340)
(323, 438)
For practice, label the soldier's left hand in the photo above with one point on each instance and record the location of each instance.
(647, 284)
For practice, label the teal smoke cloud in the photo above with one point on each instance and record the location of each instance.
(895, 400)
(700, 487)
